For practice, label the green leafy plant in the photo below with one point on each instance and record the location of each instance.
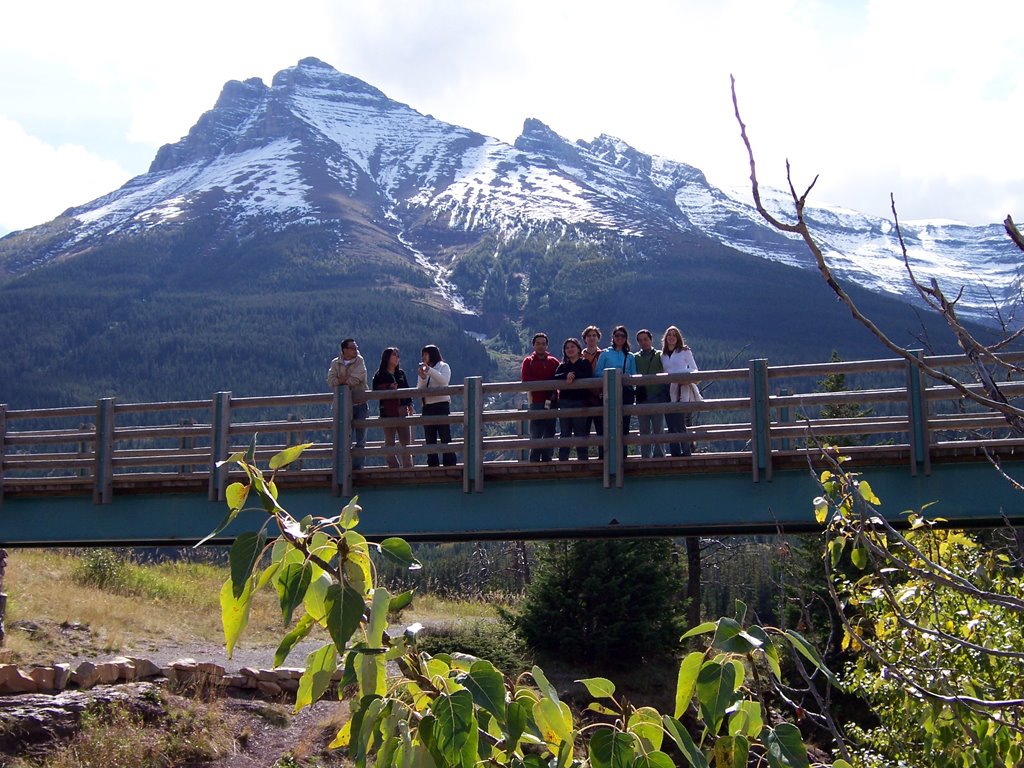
(453, 710)
(931, 620)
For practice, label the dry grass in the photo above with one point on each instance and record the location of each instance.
(51, 616)
(189, 733)
(50, 613)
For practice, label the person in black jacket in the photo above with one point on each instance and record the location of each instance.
(390, 376)
(572, 367)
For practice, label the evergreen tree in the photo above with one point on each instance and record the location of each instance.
(607, 603)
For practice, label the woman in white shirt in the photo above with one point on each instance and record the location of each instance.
(676, 357)
(434, 373)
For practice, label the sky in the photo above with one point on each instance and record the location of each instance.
(920, 100)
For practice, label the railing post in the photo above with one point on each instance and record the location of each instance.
(473, 435)
(760, 420)
(613, 461)
(184, 444)
(3, 451)
(784, 418)
(295, 438)
(524, 430)
(220, 425)
(83, 445)
(103, 480)
(917, 410)
(341, 484)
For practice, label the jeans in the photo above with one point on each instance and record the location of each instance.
(651, 424)
(359, 411)
(677, 424)
(433, 432)
(404, 437)
(598, 422)
(572, 426)
(541, 429)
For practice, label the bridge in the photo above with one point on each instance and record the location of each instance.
(146, 473)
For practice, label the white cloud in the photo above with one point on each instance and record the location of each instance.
(922, 99)
(42, 181)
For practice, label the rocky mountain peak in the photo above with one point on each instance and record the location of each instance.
(537, 137)
(215, 129)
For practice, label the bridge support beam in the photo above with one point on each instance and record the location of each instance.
(917, 410)
(3, 434)
(760, 421)
(613, 437)
(103, 475)
(472, 431)
(220, 422)
(341, 465)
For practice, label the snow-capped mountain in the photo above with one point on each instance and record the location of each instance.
(321, 148)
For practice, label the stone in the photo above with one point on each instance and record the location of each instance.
(289, 673)
(13, 680)
(61, 676)
(44, 678)
(288, 685)
(144, 668)
(269, 689)
(210, 669)
(85, 675)
(108, 672)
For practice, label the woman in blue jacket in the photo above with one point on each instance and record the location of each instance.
(618, 356)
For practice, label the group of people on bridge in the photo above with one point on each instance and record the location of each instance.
(580, 360)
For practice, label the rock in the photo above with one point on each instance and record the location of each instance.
(289, 685)
(44, 678)
(289, 673)
(144, 668)
(85, 675)
(61, 676)
(13, 680)
(269, 689)
(208, 668)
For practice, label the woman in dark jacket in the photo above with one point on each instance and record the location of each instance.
(573, 367)
(390, 376)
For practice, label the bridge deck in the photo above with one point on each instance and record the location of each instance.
(148, 471)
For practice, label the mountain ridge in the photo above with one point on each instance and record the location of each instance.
(320, 196)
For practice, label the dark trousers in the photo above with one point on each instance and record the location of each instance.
(598, 424)
(433, 432)
(677, 422)
(541, 429)
(572, 426)
(359, 411)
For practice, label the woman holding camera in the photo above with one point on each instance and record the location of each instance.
(434, 373)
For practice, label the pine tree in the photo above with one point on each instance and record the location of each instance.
(604, 602)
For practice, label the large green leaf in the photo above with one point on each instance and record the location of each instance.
(786, 747)
(291, 584)
(321, 665)
(686, 681)
(399, 552)
(545, 686)
(454, 725)
(302, 628)
(245, 553)
(599, 687)
(731, 638)
(518, 715)
(400, 601)
(716, 687)
(344, 610)
(611, 749)
(654, 760)
(746, 720)
(678, 733)
(487, 687)
(732, 752)
(645, 724)
(701, 629)
(554, 720)
(288, 455)
(810, 653)
(234, 612)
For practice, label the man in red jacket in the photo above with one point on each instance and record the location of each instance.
(540, 366)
